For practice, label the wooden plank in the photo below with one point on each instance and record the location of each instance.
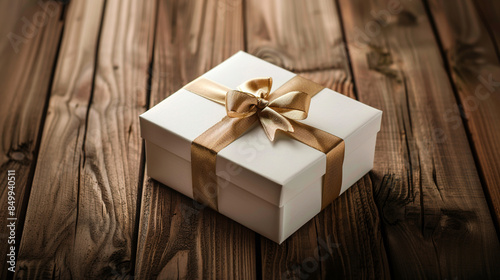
(87, 176)
(344, 240)
(31, 31)
(177, 237)
(475, 69)
(45, 246)
(113, 166)
(435, 217)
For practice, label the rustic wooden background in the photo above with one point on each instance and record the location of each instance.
(75, 76)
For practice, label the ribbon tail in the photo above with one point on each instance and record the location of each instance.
(272, 121)
(333, 147)
(292, 105)
(204, 151)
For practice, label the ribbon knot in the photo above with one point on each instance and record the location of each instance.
(254, 100)
(262, 103)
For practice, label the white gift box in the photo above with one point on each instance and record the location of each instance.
(272, 188)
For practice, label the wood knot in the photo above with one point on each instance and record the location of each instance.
(406, 18)
(381, 61)
(272, 55)
(20, 154)
(456, 220)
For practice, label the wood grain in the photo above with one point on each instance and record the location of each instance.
(435, 218)
(489, 11)
(55, 185)
(344, 240)
(30, 33)
(475, 69)
(177, 238)
(81, 218)
(112, 166)
(298, 36)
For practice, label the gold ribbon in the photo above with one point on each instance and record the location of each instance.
(253, 102)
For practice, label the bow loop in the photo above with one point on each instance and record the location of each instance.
(260, 87)
(293, 105)
(240, 104)
(253, 97)
(272, 121)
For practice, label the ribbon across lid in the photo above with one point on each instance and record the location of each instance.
(254, 102)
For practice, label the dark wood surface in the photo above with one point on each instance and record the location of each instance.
(471, 58)
(77, 74)
(424, 177)
(28, 54)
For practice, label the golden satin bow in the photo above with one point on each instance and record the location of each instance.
(273, 110)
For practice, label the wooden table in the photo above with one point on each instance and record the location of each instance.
(75, 76)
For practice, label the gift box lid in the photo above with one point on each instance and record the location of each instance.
(275, 171)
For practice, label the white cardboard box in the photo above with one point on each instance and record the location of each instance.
(277, 187)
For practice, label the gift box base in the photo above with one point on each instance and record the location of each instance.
(265, 218)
